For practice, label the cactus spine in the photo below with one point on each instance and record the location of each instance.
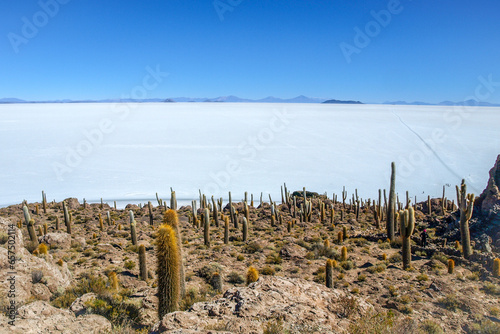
(391, 208)
(206, 231)
(407, 226)
(133, 224)
(466, 205)
(168, 270)
(329, 273)
(142, 263)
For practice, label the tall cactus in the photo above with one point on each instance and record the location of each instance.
(466, 205)
(206, 231)
(133, 232)
(173, 200)
(150, 207)
(245, 228)
(30, 223)
(44, 201)
(391, 207)
(66, 215)
(226, 230)
(215, 212)
(142, 263)
(407, 226)
(170, 218)
(168, 270)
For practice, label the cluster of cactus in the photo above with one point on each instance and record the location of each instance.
(466, 205)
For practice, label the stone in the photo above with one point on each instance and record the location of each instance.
(490, 197)
(60, 240)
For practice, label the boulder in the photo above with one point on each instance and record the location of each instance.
(78, 306)
(41, 317)
(56, 240)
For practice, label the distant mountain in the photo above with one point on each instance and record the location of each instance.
(11, 100)
(445, 103)
(342, 102)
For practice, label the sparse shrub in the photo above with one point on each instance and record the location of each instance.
(129, 264)
(405, 309)
(268, 270)
(486, 326)
(361, 278)
(240, 257)
(207, 271)
(347, 265)
(431, 327)
(373, 322)
(491, 288)
(3, 238)
(60, 262)
(474, 276)
(440, 257)
(395, 258)
(274, 259)
(422, 277)
(393, 291)
(216, 282)
(450, 302)
(252, 247)
(87, 283)
(235, 278)
(274, 327)
(31, 246)
(347, 306)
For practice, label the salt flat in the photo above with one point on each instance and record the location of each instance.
(130, 151)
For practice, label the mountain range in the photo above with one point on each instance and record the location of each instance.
(269, 99)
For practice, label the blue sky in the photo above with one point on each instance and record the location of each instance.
(88, 49)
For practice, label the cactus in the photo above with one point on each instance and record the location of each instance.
(329, 273)
(173, 200)
(289, 226)
(133, 224)
(466, 205)
(150, 207)
(322, 211)
(30, 223)
(496, 267)
(443, 201)
(332, 216)
(45, 228)
(340, 237)
(252, 275)
(342, 215)
(68, 226)
(384, 257)
(232, 214)
(343, 254)
(215, 212)
(344, 232)
(101, 225)
(429, 206)
(37, 209)
(206, 231)
(44, 201)
(108, 218)
(66, 215)
(216, 282)
(168, 270)
(113, 280)
(245, 228)
(226, 230)
(42, 248)
(57, 223)
(451, 266)
(407, 226)
(391, 208)
(170, 218)
(326, 244)
(142, 263)
(40, 231)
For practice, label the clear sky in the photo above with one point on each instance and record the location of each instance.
(95, 49)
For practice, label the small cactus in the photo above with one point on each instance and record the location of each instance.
(329, 273)
(496, 267)
(252, 275)
(57, 223)
(206, 231)
(245, 228)
(451, 266)
(45, 228)
(344, 232)
(340, 237)
(343, 254)
(113, 280)
(289, 226)
(42, 249)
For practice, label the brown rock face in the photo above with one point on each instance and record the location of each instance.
(490, 198)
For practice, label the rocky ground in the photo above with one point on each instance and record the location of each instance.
(68, 290)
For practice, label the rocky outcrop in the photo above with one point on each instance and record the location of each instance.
(299, 303)
(60, 240)
(30, 270)
(490, 198)
(40, 317)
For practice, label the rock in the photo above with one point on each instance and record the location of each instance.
(41, 317)
(80, 241)
(54, 276)
(243, 310)
(483, 243)
(40, 292)
(78, 306)
(60, 240)
(490, 198)
(292, 251)
(72, 203)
